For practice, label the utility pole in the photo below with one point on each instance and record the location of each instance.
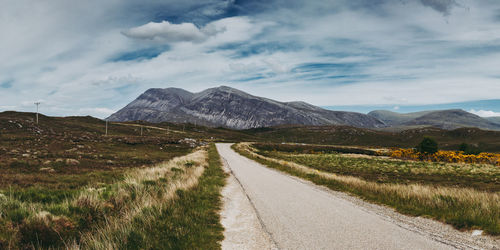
(37, 104)
(141, 130)
(106, 127)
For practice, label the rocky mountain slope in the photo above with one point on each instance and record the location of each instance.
(495, 119)
(232, 108)
(445, 119)
(393, 119)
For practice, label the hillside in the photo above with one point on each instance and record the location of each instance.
(343, 135)
(495, 119)
(394, 119)
(232, 108)
(444, 119)
(19, 130)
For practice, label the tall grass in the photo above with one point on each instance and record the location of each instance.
(98, 217)
(192, 221)
(484, 177)
(143, 190)
(464, 208)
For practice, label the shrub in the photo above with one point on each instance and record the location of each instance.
(45, 230)
(427, 146)
(469, 149)
(447, 156)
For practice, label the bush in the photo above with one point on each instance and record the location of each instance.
(46, 231)
(469, 149)
(427, 146)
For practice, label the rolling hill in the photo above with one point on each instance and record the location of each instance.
(444, 119)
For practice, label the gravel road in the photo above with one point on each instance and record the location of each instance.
(299, 215)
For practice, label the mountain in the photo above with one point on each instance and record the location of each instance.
(445, 119)
(395, 119)
(232, 108)
(495, 119)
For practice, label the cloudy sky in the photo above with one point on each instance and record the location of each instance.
(93, 57)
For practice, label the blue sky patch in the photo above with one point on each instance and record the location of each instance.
(141, 54)
(6, 84)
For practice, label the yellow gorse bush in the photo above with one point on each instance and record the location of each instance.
(446, 156)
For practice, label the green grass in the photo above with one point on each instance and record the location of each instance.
(464, 208)
(192, 221)
(306, 149)
(382, 170)
(94, 216)
(485, 140)
(41, 184)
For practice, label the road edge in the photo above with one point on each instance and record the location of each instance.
(243, 225)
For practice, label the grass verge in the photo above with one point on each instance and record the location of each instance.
(464, 208)
(483, 177)
(192, 221)
(117, 215)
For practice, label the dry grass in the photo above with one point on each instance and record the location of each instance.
(117, 228)
(99, 217)
(462, 207)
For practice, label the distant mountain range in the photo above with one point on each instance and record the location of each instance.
(445, 119)
(232, 108)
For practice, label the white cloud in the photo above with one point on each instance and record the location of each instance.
(399, 53)
(7, 107)
(168, 32)
(96, 112)
(276, 66)
(484, 113)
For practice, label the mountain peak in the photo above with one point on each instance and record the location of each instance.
(229, 107)
(226, 89)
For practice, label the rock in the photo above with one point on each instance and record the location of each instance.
(48, 170)
(72, 162)
(110, 162)
(26, 155)
(477, 232)
(59, 160)
(47, 162)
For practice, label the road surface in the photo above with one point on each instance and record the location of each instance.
(299, 215)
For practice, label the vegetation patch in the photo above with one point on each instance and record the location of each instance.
(311, 149)
(97, 216)
(447, 156)
(191, 222)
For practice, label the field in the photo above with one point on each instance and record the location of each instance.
(65, 184)
(463, 195)
(486, 141)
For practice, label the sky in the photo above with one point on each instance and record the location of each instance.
(94, 57)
